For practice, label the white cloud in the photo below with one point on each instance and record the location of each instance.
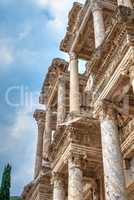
(59, 9)
(42, 3)
(20, 144)
(6, 55)
(25, 32)
(21, 125)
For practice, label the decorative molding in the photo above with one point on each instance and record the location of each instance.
(73, 56)
(107, 111)
(96, 5)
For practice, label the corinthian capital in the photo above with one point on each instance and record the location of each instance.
(61, 79)
(75, 161)
(39, 116)
(107, 111)
(57, 178)
(73, 56)
(96, 5)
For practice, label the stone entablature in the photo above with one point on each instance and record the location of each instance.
(57, 67)
(38, 190)
(82, 42)
(117, 44)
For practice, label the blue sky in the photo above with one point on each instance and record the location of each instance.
(30, 33)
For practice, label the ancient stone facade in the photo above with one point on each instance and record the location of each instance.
(85, 148)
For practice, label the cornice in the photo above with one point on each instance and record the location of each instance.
(57, 67)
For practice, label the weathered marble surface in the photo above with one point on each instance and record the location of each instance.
(47, 134)
(131, 73)
(127, 3)
(132, 167)
(74, 84)
(58, 188)
(99, 28)
(112, 161)
(61, 100)
(75, 181)
(39, 151)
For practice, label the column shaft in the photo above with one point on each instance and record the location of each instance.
(75, 182)
(58, 188)
(131, 74)
(38, 162)
(47, 134)
(127, 3)
(112, 158)
(101, 188)
(74, 84)
(132, 167)
(39, 116)
(61, 110)
(99, 28)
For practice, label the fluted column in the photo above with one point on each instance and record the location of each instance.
(75, 179)
(99, 27)
(61, 110)
(74, 84)
(127, 3)
(47, 133)
(40, 118)
(58, 187)
(112, 159)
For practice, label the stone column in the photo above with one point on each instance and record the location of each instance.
(99, 27)
(95, 191)
(61, 110)
(112, 159)
(101, 188)
(47, 133)
(131, 74)
(40, 118)
(74, 84)
(58, 187)
(127, 3)
(132, 167)
(75, 179)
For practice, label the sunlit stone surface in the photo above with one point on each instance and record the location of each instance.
(85, 144)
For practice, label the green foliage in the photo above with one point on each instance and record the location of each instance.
(6, 183)
(15, 198)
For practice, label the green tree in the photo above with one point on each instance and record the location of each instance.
(6, 183)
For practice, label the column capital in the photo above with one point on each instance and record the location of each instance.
(107, 111)
(127, 3)
(39, 116)
(75, 161)
(61, 79)
(73, 56)
(48, 109)
(57, 177)
(96, 5)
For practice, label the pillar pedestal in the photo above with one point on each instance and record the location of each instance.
(75, 180)
(74, 84)
(112, 159)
